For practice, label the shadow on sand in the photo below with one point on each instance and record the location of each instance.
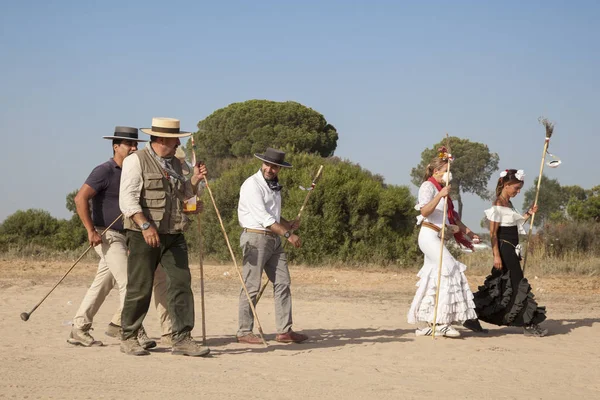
(318, 339)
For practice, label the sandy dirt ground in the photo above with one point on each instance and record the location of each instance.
(360, 348)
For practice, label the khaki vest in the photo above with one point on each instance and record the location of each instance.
(160, 198)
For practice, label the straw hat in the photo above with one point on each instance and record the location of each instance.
(165, 127)
(125, 133)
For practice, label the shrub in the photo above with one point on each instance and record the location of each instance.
(352, 216)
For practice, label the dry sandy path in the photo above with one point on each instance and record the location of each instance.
(361, 346)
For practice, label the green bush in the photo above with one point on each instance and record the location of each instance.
(561, 238)
(35, 227)
(352, 216)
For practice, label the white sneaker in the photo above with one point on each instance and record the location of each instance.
(424, 332)
(447, 331)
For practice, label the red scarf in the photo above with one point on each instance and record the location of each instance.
(453, 217)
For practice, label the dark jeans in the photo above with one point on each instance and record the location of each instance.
(141, 265)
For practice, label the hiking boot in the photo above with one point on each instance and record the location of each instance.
(188, 347)
(82, 337)
(474, 325)
(144, 340)
(534, 330)
(132, 347)
(113, 330)
(166, 340)
(250, 338)
(291, 337)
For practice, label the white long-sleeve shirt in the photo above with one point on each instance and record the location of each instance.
(259, 206)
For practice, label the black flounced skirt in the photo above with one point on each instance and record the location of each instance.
(505, 298)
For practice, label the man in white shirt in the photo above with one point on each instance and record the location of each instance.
(259, 213)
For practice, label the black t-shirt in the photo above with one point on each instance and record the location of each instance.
(105, 179)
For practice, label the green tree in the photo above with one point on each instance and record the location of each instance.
(71, 201)
(352, 216)
(587, 208)
(471, 170)
(551, 200)
(241, 129)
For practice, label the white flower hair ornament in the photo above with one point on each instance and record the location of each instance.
(503, 173)
(520, 174)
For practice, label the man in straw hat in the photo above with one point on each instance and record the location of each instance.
(153, 190)
(259, 213)
(102, 189)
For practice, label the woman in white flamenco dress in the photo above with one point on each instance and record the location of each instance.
(455, 298)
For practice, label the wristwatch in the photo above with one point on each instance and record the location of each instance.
(287, 234)
(145, 225)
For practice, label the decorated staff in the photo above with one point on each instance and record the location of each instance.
(553, 164)
(442, 237)
(309, 190)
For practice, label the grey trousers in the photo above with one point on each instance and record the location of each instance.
(265, 253)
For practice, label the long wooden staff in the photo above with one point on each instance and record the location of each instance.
(260, 331)
(25, 316)
(549, 130)
(201, 258)
(312, 186)
(439, 275)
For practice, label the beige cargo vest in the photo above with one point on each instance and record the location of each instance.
(160, 198)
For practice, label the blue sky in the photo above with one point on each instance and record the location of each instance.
(392, 76)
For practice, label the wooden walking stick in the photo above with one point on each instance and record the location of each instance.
(310, 189)
(201, 256)
(549, 130)
(201, 281)
(439, 275)
(260, 331)
(25, 316)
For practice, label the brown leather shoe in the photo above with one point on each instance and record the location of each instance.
(291, 337)
(250, 338)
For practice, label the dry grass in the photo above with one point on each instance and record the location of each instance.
(479, 263)
(538, 262)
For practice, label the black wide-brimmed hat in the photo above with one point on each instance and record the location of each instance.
(273, 156)
(125, 133)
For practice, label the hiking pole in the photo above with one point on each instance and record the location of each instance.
(549, 130)
(310, 189)
(201, 256)
(439, 275)
(25, 316)
(201, 281)
(260, 331)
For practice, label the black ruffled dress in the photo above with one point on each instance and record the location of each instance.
(505, 298)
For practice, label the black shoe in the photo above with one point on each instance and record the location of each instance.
(534, 330)
(474, 325)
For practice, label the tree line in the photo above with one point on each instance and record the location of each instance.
(353, 216)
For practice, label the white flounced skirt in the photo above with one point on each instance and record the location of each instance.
(456, 299)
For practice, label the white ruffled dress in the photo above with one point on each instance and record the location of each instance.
(456, 299)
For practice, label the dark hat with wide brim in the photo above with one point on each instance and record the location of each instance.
(125, 133)
(273, 156)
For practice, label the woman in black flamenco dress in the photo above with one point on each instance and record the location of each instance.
(505, 298)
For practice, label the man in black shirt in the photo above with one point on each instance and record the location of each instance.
(102, 189)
